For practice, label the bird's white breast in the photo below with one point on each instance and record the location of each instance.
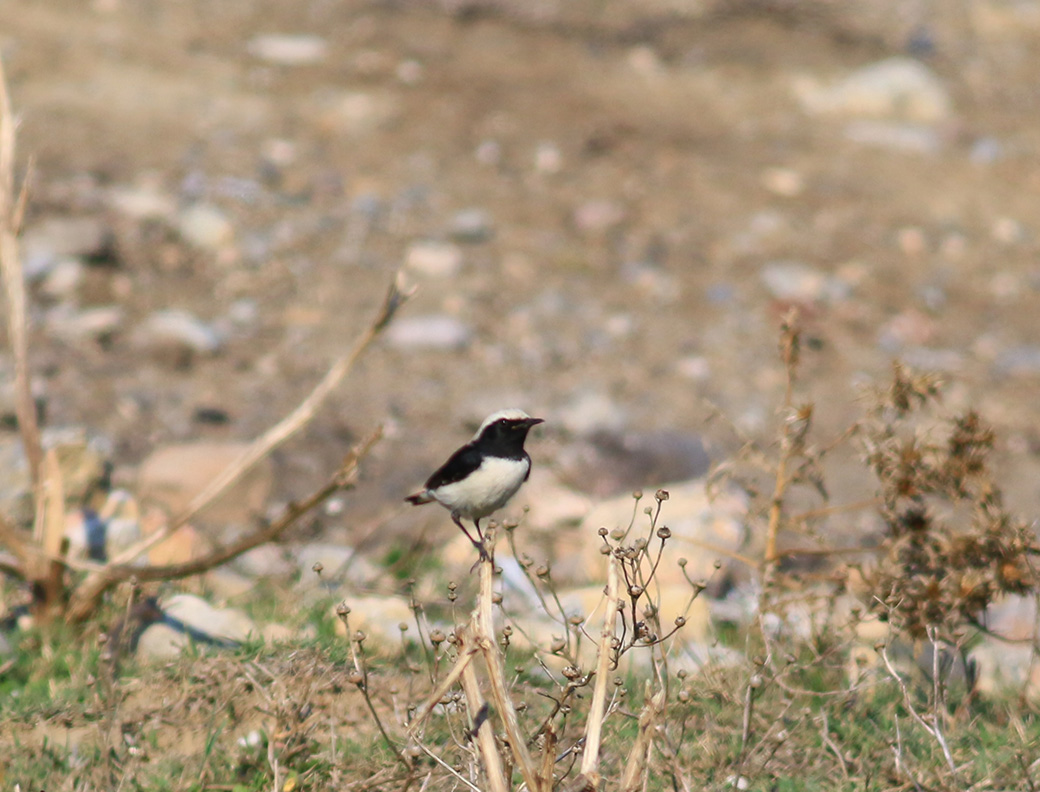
(486, 489)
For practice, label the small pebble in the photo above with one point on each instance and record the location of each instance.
(434, 259)
(205, 226)
(435, 331)
(288, 50)
(180, 328)
(471, 225)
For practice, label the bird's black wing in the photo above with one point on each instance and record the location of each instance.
(459, 465)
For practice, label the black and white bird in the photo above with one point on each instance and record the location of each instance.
(484, 474)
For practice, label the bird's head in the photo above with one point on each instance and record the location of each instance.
(505, 425)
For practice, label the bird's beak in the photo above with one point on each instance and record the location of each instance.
(534, 421)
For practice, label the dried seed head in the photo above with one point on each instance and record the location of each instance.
(680, 621)
(356, 678)
(403, 627)
(576, 620)
(496, 597)
(360, 636)
(637, 494)
(648, 510)
(604, 550)
(617, 534)
(635, 591)
(318, 567)
(684, 696)
(542, 571)
(510, 525)
(343, 610)
(661, 495)
(437, 637)
(682, 673)
(507, 631)
(683, 562)
(640, 543)
(452, 585)
(570, 672)
(520, 706)
(664, 532)
(717, 564)
(603, 531)
(618, 681)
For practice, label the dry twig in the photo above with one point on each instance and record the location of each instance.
(484, 625)
(84, 598)
(589, 777)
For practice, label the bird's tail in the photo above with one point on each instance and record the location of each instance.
(419, 498)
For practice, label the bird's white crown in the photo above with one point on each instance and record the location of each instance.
(509, 414)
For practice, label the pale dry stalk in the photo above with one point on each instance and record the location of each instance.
(304, 412)
(85, 597)
(589, 777)
(637, 765)
(446, 684)
(476, 706)
(484, 624)
(11, 213)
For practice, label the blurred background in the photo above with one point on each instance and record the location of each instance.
(607, 208)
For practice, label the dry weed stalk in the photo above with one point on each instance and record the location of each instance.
(39, 558)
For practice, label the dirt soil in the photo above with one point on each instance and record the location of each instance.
(638, 168)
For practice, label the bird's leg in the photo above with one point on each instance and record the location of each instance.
(480, 533)
(479, 545)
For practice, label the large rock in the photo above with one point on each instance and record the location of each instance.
(900, 89)
(189, 619)
(173, 475)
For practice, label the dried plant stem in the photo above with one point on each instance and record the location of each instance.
(85, 597)
(476, 705)
(396, 296)
(635, 767)
(483, 621)
(451, 770)
(446, 684)
(597, 709)
(933, 729)
(11, 213)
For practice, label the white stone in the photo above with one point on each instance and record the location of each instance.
(205, 226)
(288, 50)
(434, 259)
(179, 328)
(433, 332)
(221, 624)
(896, 88)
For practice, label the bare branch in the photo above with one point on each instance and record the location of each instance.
(397, 295)
(465, 658)
(11, 211)
(84, 598)
(476, 707)
(594, 726)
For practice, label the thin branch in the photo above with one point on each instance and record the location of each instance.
(483, 621)
(632, 778)
(465, 658)
(11, 211)
(448, 767)
(594, 726)
(84, 598)
(476, 707)
(933, 730)
(396, 296)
